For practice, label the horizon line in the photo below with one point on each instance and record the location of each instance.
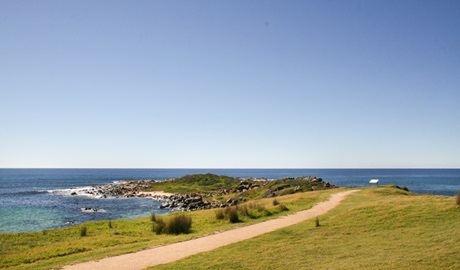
(227, 168)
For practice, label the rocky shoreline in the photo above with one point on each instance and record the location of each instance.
(122, 189)
(205, 200)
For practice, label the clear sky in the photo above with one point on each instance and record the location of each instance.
(229, 84)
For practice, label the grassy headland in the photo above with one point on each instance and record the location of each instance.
(377, 228)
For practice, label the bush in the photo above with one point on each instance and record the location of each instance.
(179, 224)
(457, 198)
(244, 210)
(287, 191)
(83, 231)
(158, 226)
(153, 217)
(110, 224)
(220, 214)
(254, 210)
(275, 202)
(232, 214)
(280, 208)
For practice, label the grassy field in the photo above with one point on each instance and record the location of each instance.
(377, 228)
(54, 248)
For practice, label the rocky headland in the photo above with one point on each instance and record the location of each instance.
(220, 198)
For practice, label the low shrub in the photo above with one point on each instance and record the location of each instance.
(244, 210)
(254, 210)
(275, 202)
(153, 217)
(83, 231)
(220, 214)
(158, 226)
(280, 208)
(457, 198)
(232, 214)
(110, 224)
(179, 224)
(287, 191)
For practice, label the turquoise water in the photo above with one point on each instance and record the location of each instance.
(39, 199)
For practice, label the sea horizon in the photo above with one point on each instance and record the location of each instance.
(240, 168)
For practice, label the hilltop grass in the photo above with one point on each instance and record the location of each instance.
(58, 247)
(196, 183)
(376, 228)
(208, 183)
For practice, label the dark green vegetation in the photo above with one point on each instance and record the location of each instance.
(231, 213)
(457, 198)
(245, 188)
(251, 210)
(196, 183)
(376, 228)
(178, 224)
(83, 231)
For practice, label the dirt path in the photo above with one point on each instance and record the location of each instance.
(177, 251)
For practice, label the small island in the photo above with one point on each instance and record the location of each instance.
(207, 191)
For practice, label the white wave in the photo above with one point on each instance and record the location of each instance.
(78, 191)
(119, 182)
(92, 210)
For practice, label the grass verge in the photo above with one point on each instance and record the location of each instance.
(377, 228)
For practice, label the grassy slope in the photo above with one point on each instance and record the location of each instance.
(377, 228)
(196, 183)
(65, 246)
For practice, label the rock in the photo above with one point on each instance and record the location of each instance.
(317, 180)
(164, 205)
(281, 187)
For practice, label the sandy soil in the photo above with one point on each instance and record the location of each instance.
(177, 251)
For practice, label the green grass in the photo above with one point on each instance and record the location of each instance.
(377, 228)
(196, 183)
(59, 247)
(205, 183)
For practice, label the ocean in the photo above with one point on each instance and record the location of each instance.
(39, 199)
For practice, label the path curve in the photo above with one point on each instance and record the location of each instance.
(173, 252)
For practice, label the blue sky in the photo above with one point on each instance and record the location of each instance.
(229, 84)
